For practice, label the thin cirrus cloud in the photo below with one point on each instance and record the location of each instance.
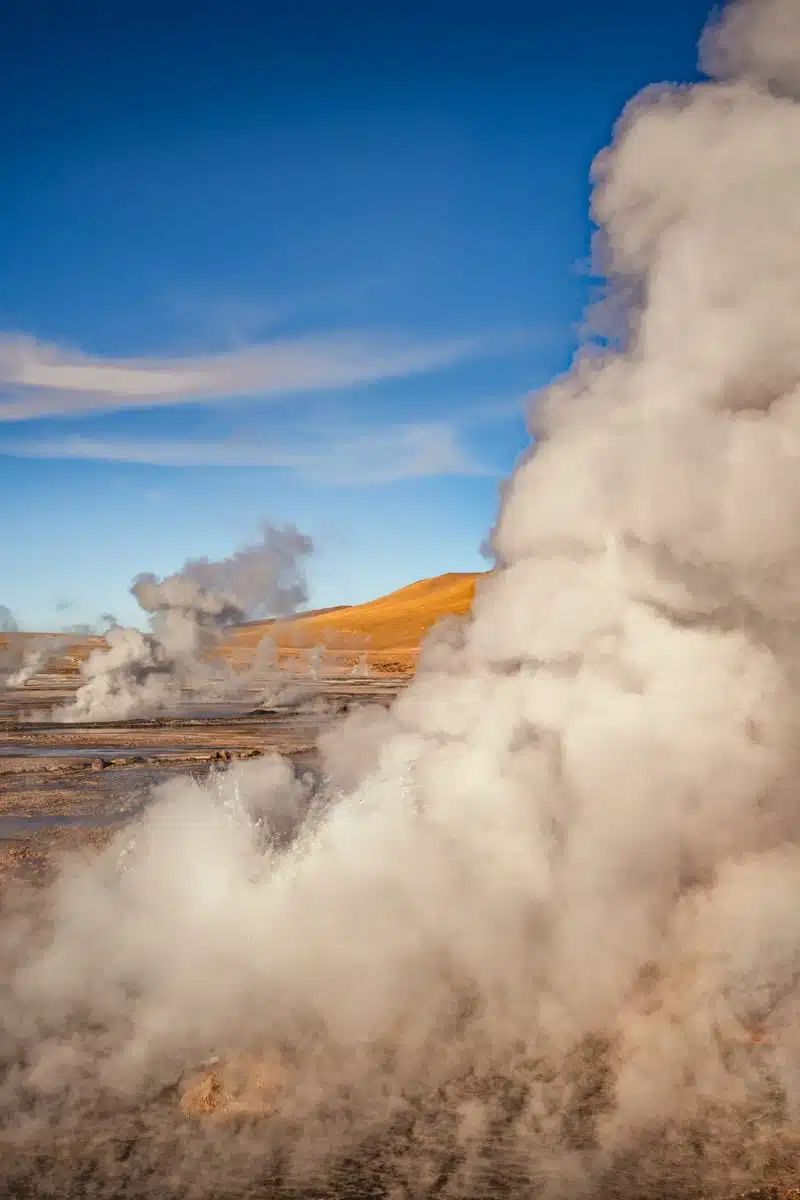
(358, 458)
(40, 380)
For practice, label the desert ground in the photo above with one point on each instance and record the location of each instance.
(72, 786)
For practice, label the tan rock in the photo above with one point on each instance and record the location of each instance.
(243, 1086)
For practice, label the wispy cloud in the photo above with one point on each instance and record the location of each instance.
(230, 321)
(358, 458)
(39, 380)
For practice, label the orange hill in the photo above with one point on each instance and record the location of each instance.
(389, 630)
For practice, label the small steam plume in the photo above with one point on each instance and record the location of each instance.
(35, 656)
(21, 660)
(539, 933)
(8, 622)
(9, 652)
(30, 658)
(314, 660)
(141, 674)
(361, 668)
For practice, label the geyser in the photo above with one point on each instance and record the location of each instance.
(142, 674)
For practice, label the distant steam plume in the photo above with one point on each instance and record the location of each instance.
(29, 658)
(33, 657)
(9, 653)
(145, 673)
(8, 623)
(540, 933)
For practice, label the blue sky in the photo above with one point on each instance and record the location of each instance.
(295, 262)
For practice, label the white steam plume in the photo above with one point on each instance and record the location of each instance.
(141, 674)
(547, 942)
(9, 652)
(34, 655)
(8, 623)
(24, 660)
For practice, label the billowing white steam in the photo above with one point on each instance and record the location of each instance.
(141, 674)
(549, 933)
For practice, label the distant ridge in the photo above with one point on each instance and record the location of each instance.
(388, 630)
(311, 612)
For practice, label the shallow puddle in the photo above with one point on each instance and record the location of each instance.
(32, 750)
(13, 826)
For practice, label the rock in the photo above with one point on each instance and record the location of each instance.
(98, 764)
(244, 1086)
(204, 1096)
